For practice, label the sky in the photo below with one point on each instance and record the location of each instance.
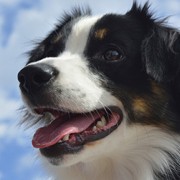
(22, 22)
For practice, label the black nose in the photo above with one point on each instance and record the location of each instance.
(33, 77)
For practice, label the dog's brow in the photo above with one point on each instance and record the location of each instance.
(79, 35)
(101, 33)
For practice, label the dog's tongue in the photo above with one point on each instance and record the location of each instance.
(51, 134)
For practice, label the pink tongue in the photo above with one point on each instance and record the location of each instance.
(51, 134)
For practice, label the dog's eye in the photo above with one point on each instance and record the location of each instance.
(113, 55)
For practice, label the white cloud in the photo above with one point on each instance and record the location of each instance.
(172, 6)
(29, 160)
(11, 134)
(174, 22)
(9, 2)
(9, 119)
(26, 161)
(9, 106)
(3, 129)
(42, 178)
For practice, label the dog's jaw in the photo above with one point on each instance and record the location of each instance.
(137, 147)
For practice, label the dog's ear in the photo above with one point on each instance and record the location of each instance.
(161, 53)
(161, 58)
(160, 47)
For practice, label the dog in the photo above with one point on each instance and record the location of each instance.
(105, 92)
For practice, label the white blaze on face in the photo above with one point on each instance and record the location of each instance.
(79, 89)
(78, 37)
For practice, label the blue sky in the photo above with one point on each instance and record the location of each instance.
(21, 22)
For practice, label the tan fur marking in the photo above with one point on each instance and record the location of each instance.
(157, 89)
(101, 33)
(139, 105)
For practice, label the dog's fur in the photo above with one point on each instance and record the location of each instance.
(144, 82)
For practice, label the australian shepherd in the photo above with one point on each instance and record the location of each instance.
(106, 92)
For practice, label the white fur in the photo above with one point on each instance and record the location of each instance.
(78, 37)
(81, 90)
(129, 153)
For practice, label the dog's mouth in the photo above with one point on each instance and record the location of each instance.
(68, 132)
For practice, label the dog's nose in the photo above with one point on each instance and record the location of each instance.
(33, 77)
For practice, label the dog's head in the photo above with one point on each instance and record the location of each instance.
(95, 75)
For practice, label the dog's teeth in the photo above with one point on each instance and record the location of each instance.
(103, 120)
(66, 137)
(48, 117)
(101, 123)
(60, 141)
(94, 128)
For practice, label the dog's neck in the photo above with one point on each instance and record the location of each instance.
(153, 157)
(106, 169)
